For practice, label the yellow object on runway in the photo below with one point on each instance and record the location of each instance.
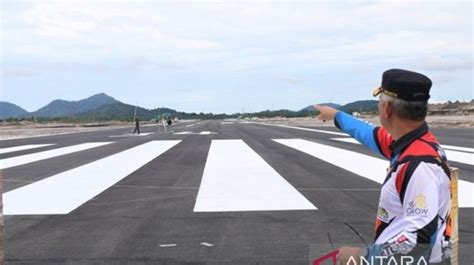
(454, 217)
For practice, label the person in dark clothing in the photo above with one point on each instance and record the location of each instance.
(169, 122)
(137, 126)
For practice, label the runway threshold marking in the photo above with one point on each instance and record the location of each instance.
(458, 148)
(22, 147)
(64, 192)
(368, 167)
(236, 178)
(465, 158)
(29, 158)
(460, 157)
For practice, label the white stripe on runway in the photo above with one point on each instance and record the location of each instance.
(130, 135)
(236, 178)
(25, 159)
(465, 194)
(186, 132)
(363, 165)
(301, 128)
(458, 148)
(346, 140)
(22, 147)
(190, 125)
(64, 192)
(205, 132)
(460, 157)
(352, 161)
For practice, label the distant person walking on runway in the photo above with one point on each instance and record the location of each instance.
(169, 122)
(137, 126)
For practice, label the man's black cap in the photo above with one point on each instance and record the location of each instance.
(405, 85)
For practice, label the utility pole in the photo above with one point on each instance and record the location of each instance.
(135, 115)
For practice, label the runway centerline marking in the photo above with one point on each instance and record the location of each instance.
(368, 167)
(131, 135)
(460, 157)
(22, 147)
(195, 133)
(247, 183)
(64, 192)
(29, 158)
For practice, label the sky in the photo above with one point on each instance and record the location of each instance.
(229, 56)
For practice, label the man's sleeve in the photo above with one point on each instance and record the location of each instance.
(375, 138)
(420, 198)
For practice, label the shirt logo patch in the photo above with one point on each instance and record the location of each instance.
(382, 214)
(419, 206)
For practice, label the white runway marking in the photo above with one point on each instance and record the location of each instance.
(22, 147)
(301, 128)
(64, 192)
(130, 135)
(248, 183)
(190, 125)
(168, 245)
(346, 140)
(460, 157)
(196, 133)
(465, 194)
(352, 161)
(29, 158)
(363, 165)
(187, 132)
(458, 148)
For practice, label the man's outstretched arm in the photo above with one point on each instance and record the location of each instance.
(375, 138)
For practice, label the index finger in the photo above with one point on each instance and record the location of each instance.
(317, 107)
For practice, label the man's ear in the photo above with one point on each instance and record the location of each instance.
(387, 109)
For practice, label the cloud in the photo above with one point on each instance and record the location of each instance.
(195, 32)
(295, 81)
(254, 45)
(17, 72)
(446, 63)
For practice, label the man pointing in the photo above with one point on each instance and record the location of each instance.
(413, 212)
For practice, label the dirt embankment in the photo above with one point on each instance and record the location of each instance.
(28, 129)
(23, 129)
(435, 121)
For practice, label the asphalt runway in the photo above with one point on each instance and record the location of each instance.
(211, 192)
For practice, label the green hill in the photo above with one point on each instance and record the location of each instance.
(10, 110)
(63, 108)
(361, 106)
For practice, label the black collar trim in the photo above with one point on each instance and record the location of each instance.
(403, 142)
